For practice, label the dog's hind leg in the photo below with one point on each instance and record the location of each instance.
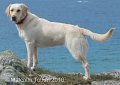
(77, 46)
(83, 61)
(86, 67)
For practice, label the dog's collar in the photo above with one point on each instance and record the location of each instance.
(22, 20)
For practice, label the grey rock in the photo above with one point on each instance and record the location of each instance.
(13, 70)
(115, 73)
(108, 82)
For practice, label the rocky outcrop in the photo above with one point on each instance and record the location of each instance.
(107, 82)
(115, 80)
(14, 71)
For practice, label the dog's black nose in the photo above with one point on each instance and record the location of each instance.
(13, 18)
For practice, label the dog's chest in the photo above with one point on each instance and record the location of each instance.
(24, 33)
(21, 34)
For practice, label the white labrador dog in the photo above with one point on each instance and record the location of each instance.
(39, 32)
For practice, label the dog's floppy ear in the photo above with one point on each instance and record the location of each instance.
(24, 7)
(7, 11)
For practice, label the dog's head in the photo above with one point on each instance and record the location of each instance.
(16, 12)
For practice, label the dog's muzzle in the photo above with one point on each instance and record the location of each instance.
(14, 18)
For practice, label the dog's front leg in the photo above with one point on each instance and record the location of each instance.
(35, 59)
(30, 53)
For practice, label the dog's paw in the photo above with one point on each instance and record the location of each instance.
(86, 77)
(33, 68)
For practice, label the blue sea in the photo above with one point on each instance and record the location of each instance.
(95, 15)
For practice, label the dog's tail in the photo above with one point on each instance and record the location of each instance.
(96, 36)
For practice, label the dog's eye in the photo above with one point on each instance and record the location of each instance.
(11, 10)
(18, 10)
